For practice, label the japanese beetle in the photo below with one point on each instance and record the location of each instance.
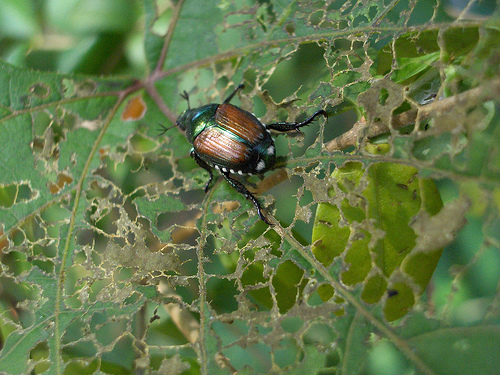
(233, 141)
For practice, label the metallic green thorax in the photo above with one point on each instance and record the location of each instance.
(194, 121)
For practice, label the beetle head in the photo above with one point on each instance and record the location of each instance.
(184, 119)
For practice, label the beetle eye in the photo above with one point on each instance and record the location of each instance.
(181, 121)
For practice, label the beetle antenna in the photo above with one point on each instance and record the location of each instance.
(185, 96)
(164, 129)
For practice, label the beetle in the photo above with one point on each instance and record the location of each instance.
(233, 141)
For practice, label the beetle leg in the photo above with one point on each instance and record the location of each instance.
(288, 126)
(228, 99)
(185, 96)
(205, 166)
(240, 188)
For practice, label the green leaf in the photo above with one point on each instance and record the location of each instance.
(88, 16)
(115, 260)
(458, 350)
(382, 199)
(17, 19)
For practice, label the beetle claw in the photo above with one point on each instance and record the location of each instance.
(238, 186)
(185, 96)
(207, 186)
(263, 217)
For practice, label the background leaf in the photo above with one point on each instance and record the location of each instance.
(114, 260)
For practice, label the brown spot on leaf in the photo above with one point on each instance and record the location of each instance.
(134, 110)
(62, 179)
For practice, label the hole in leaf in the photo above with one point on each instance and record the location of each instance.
(46, 266)
(290, 28)
(286, 353)
(398, 305)
(316, 17)
(40, 90)
(287, 284)
(383, 95)
(142, 144)
(307, 62)
(222, 294)
(374, 289)
(261, 297)
(292, 324)
(72, 88)
(86, 88)
(15, 193)
(40, 354)
(253, 275)
(161, 24)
